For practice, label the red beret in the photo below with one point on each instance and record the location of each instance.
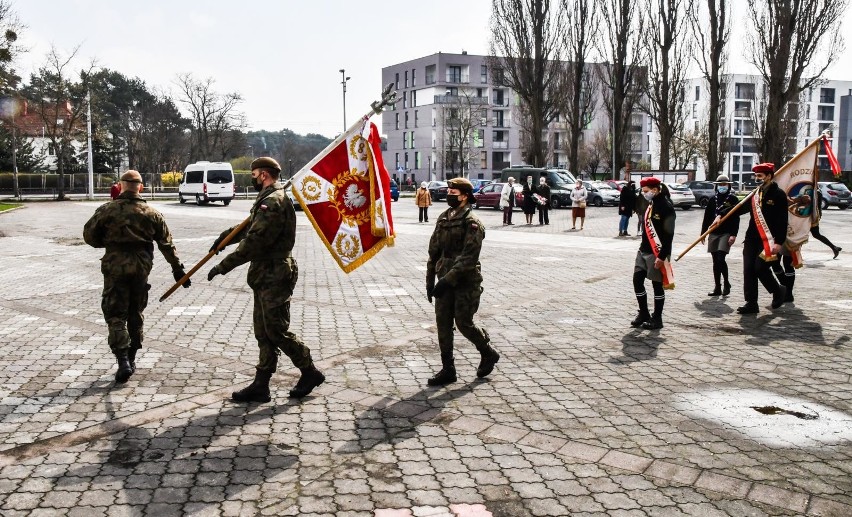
(650, 182)
(766, 168)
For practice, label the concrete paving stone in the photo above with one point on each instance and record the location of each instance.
(778, 497)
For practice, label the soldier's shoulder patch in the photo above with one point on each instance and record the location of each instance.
(263, 207)
(474, 226)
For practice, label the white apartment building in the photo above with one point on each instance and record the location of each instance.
(826, 106)
(432, 89)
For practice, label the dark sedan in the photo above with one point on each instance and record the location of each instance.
(438, 190)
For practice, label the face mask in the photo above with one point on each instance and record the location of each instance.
(453, 200)
(256, 183)
(648, 195)
(723, 190)
(542, 182)
(758, 182)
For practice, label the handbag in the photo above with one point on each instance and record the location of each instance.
(581, 204)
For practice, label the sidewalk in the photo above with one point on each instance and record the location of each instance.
(582, 416)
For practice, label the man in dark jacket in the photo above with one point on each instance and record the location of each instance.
(543, 190)
(128, 228)
(652, 259)
(267, 242)
(767, 231)
(454, 260)
(626, 204)
(723, 236)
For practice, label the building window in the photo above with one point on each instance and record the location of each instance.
(826, 95)
(397, 162)
(808, 130)
(744, 91)
(406, 161)
(747, 163)
(413, 77)
(404, 100)
(479, 138)
(698, 93)
(499, 118)
(825, 112)
(499, 98)
(406, 120)
(823, 126)
(415, 118)
(483, 76)
(51, 150)
(404, 140)
(396, 81)
(694, 110)
(452, 91)
(454, 74)
(417, 160)
(479, 92)
(397, 121)
(411, 140)
(430, 74)
(406, 78)
(483, 159)
(414, 98)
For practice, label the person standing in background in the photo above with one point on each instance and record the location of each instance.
(578, 204)
(507, 201)
(543, 190)
(423, 199)
(626, 204)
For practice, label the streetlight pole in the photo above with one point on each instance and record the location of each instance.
(343, 82)
(91, 194)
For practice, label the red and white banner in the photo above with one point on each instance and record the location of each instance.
(345, 192)
(832, 159)
(656, 246)
(798, 178)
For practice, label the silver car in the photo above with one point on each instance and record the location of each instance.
(703, 191)
(681, 196)
(834, 193)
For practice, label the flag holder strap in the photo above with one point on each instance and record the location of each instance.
(388, 99)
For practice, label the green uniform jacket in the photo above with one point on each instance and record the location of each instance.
(267, 241)
(454, 248)
(127, 228)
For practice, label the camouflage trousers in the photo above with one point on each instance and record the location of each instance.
(271, 329)
(123, 301)
(459, 306)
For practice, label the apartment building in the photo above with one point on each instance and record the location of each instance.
(447, 97)
(826, 106)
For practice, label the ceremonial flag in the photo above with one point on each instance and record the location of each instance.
(797, 178)
(832, 159)
(345, 192)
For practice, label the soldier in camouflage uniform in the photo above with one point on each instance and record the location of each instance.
(454, 259)
(127, 228)
(267, 242)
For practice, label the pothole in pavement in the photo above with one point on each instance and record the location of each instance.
(769, 418)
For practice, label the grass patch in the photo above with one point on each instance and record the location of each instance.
(8, 206)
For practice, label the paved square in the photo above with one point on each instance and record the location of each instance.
(582, 416)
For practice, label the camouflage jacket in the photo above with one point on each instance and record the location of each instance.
(454, 248)
(127, 228)
(267, 241)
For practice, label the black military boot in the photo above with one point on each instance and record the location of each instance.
(749, 308)
(789, 282)
(656, 322)
(489, 359)
(124, 370)
(642, 317)
(131, 356)
(717, 291)
(310, 379)
(726, 288)
(447, 374)
(257, 391)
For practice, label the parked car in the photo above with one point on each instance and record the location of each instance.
(437, 189)
(478, 184)
(616, 184)
(560, 181)
(489, 196)
(293, 200)
(681, 196)
(834, 193)
(703, 191)
(207, 181)
(394, 190)
(600, 194)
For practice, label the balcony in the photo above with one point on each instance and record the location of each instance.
(499, 145)
(500, 123)
(743, 113)
(502, 102)
(458, 78)
(460, 99)
(499, 166)
(430, 79)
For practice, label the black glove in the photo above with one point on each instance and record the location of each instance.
(440, 288)
(430, 287)
(216, 244)
(180, 273)
(213, 272)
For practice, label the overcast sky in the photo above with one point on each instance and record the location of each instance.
(283, 56)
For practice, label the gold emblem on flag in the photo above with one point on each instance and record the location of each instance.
(311, 188)
(349, 195)
(358, 148)
(347, 246)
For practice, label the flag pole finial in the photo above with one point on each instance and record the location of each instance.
(388, 98)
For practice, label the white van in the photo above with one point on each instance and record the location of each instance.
(207, 181)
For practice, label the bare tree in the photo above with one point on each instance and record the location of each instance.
(59, 101)
(527, 50)
(792, 43)
(595, 151)
(686, 148)
(214, 117)
(581, 80)
(712, 39)
(669, 48)
(624, 23)
(462, 116)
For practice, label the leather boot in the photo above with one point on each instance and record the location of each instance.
(131, 356)
(257, 391)
(749, 308)
(447, 374)
(726, 289)
(716, 292)
(656, 322)
(641, 318)
(489, 359)
(310, 379)
(779, 296)
(124, 370)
